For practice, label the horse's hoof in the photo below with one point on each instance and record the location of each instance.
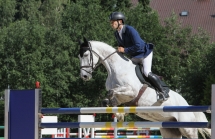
(105, 102)
(162, 97)
(162, 100)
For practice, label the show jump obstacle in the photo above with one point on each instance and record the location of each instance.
(23, 109)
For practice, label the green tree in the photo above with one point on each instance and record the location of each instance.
(22, 49)
(145, 4)
(194, 78)
(50, 12)
(180, 57)
(209, 76)
(7, 12)
(27, 9)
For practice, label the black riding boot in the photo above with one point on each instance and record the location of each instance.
(157, 83)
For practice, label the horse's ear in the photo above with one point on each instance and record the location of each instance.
(80, 42)
(85, 40)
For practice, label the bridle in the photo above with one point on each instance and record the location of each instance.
(91, 58)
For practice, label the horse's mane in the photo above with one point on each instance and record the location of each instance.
(105, 45)
(92, 41)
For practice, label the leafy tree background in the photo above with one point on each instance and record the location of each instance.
(39, 42)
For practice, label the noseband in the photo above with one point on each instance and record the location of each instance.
(91, 58)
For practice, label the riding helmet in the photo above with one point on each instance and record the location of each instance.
(117, 16)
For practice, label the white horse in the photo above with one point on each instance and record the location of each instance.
(124, 86)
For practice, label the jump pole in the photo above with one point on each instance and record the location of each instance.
(20, 117)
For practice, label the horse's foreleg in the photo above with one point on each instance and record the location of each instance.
(125, 90)
(120, 92)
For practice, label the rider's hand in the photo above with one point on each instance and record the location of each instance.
(120, 49)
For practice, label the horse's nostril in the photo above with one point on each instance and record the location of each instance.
(85, 76)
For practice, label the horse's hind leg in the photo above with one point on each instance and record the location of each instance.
(170, 133)
(190, 133)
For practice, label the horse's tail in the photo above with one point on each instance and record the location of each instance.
(200, 117)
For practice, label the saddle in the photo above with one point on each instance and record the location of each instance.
(147, 83)
(144, 80)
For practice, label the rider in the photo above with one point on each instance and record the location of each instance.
(130, 42)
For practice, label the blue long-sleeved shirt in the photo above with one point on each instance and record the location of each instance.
(132, 43)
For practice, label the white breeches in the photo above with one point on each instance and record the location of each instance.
(147, 63)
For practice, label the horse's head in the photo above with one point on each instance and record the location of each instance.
(88, 59)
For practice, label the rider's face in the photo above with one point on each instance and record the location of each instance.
(114, 24)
